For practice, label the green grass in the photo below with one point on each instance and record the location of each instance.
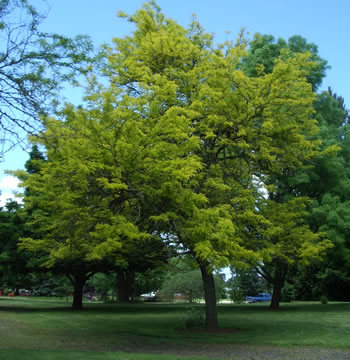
(83, 355)
(119, 331)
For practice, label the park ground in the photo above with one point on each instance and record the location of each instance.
(47, 329)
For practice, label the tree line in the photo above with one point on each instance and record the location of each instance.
(226, 154)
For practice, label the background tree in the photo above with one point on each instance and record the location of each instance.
(14, 264)
(182, 282)
(183, 278)
(247, 282)
(149, 281)
(139, 258)
(264, 49)
(50, 284)
(288, 240)
(104, 285)
(33, 67)
(328, 184)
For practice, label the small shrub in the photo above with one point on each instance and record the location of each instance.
(194, 317)
(287, 293)
(6, 291)
(324, 300)
(236, 295)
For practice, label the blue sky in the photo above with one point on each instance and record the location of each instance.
(322, 22)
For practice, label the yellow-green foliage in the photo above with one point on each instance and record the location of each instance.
(177, 136)
(287, 238)
(243, 127)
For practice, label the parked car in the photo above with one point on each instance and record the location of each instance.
(150, 297)
(262, 297)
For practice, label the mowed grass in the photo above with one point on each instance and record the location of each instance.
(37, 328)
(84, 355)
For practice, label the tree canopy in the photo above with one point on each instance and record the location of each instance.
(177, 142)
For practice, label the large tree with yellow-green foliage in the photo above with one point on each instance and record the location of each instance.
(246, 128)
(106, 168)
(173, 144)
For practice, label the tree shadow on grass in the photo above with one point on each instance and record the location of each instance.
(131, 308)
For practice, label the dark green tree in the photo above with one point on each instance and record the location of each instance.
(330, 186)
(149, 281)
(138, 258)
(184, 278)
(14, 265)
(248, 282)
(265, 49)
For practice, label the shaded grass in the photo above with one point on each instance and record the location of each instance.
(50, 324)
(83, 355)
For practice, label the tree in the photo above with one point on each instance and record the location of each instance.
(173, 144)
(139, 258)
(247, 127)
(106, 167)
(264, 50)
(328, 183)
(291, 182)
(287, 240)
(49, 284)
(183, 277)
(247, 282)
(184, 281)
(14, 265)
(70, 216)
(33, 67)
(149, 281)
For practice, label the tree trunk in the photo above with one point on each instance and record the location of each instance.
(78, 280)
(279, 280)
(125, 282)
(211, 321)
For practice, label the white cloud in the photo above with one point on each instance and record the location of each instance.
(8, 183)
(7, 196)
(8, 187)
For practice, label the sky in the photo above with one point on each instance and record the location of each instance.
(322, 22)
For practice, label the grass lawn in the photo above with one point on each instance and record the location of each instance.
(84, 355)
(39, 328)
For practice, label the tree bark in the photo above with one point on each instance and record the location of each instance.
(125, 283)
(211, 321)
(78, 280)
(279, 280)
